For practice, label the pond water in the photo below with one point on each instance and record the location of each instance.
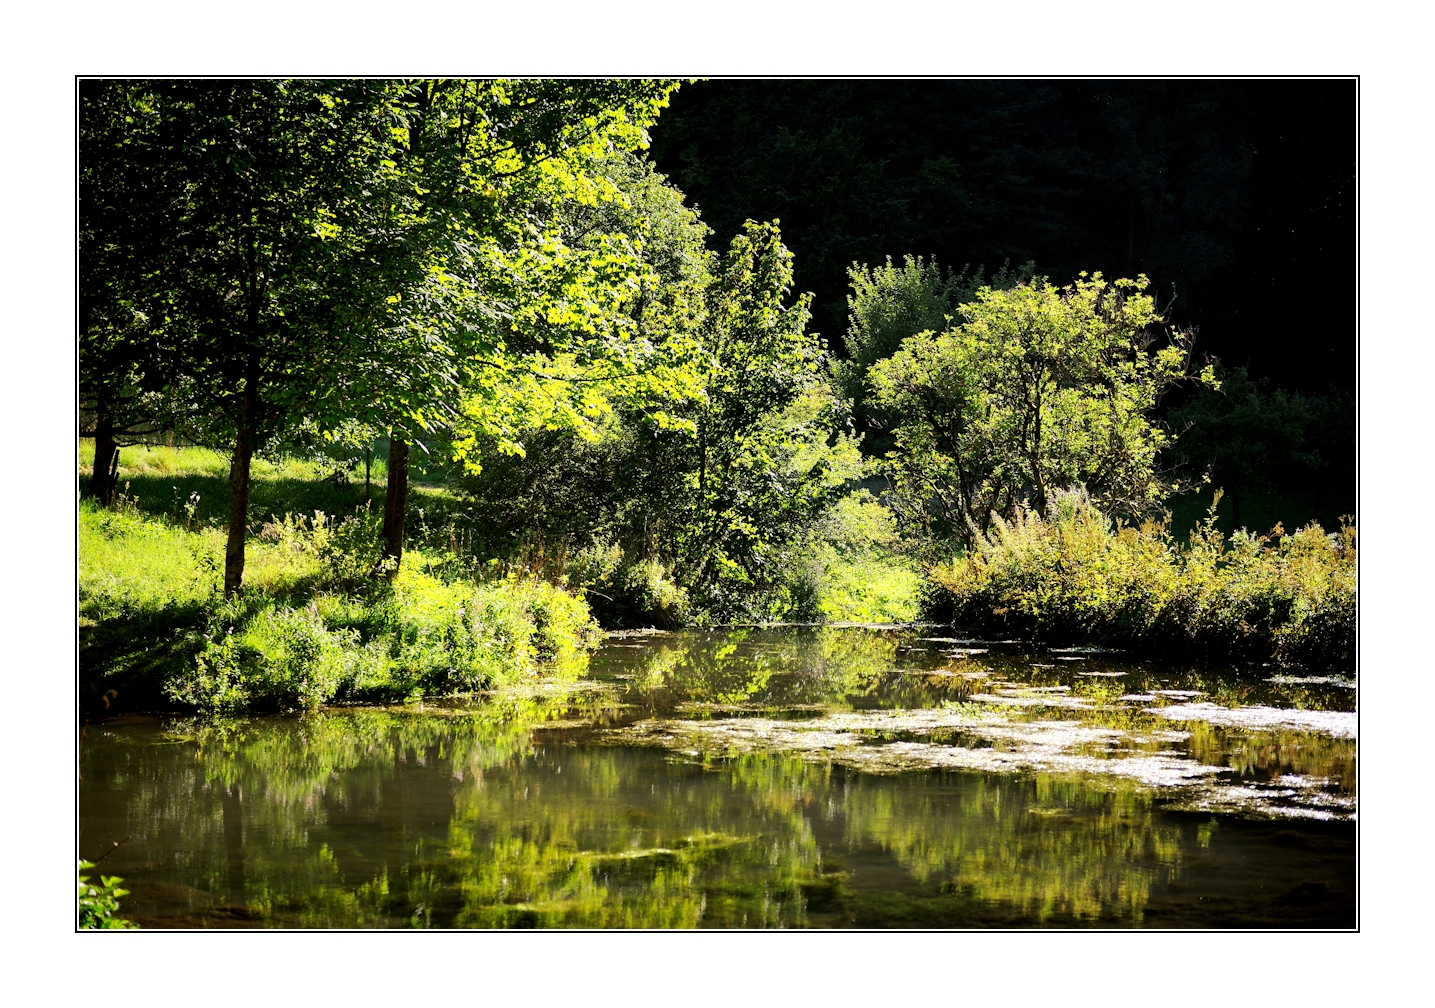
(756, 778)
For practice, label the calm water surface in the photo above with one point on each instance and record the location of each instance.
(781, 777)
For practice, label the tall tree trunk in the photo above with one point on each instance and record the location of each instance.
(396, 492)
(368, 467)
(239, 494)
(395, 500)
(107, 455)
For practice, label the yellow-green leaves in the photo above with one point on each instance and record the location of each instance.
(1036, 388)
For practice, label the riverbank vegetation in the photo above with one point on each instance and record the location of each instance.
(617, 417)
(99, 904)
(315, 626)
(1075, 574)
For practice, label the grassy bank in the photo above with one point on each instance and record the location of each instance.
(312, 625)
(1075, 576)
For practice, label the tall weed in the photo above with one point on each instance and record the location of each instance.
(1076, 575)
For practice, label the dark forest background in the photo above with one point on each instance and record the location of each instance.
(1238, 197)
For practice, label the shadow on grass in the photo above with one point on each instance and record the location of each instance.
(268, 499)
(125, 660)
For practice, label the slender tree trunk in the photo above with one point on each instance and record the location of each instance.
(395, 500)
(107, 455)
(239, 494)
(396, 491)
(368, 467)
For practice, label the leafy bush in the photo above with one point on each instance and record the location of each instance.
(98, 904)
(642, 593)
(853, 569)
(874, 589)
(1036, 388)
(314, 625)
(216, 684)
(419, 636)
(595, 564)
(1077, 575)
(348, 551)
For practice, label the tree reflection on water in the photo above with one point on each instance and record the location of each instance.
(522, 811)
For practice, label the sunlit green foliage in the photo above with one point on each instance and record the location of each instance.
(315, 626)
(1035, 389)
(852, 567)
(1077, 575)
(152, 462)
(99, 903)
(397, 271)
(619, 335)
(624, 413)
(886, 305)
(130, 565)
(703, 498)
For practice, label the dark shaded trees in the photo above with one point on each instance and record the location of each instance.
(1248, 437)
(1121, 176)
(119, 357)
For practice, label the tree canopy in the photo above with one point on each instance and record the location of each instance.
(1035, 389)
(326, 251)
(495, 272)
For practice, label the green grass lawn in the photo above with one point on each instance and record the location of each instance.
(160, 480)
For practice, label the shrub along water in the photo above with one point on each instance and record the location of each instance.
(1077, 575)
(314, 625)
